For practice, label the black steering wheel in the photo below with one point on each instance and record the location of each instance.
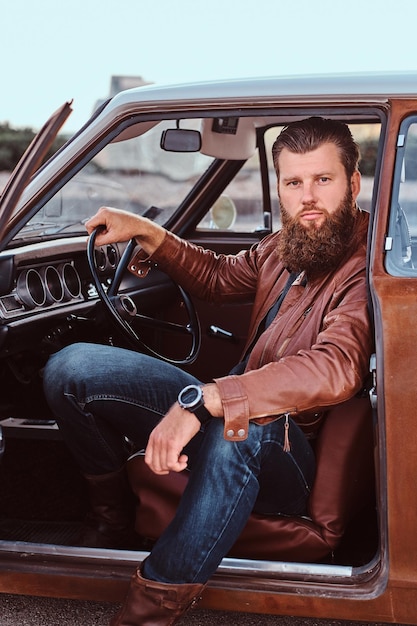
(123, 311)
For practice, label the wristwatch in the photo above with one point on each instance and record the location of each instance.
(191, 399)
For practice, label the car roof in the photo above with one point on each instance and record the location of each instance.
(371, 85)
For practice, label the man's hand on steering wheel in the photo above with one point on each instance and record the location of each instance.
(118, 226)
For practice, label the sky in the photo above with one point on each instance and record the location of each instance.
(55, 51)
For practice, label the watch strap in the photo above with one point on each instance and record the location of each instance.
(201, 413)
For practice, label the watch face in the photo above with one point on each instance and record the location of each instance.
(190, 396)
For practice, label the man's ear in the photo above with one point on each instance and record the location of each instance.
(355, 184)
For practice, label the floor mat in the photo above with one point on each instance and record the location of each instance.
(39, 532)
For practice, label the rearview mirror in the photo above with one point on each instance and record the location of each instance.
(181, 140)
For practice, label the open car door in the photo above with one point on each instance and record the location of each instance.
(26, 167)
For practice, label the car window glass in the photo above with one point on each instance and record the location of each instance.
(242, 206)
(134, 175)
(401, 257)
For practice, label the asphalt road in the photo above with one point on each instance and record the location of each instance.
(30, 611)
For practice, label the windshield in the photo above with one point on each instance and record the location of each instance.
(134, 174)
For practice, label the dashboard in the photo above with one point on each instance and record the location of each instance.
(45, 285)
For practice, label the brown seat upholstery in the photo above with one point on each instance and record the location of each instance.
(344, 484)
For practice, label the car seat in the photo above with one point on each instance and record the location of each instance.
(343, 486)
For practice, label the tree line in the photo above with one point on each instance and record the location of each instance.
(13, 143)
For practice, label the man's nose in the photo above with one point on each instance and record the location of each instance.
(308, 195)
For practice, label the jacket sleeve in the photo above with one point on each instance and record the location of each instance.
(207, 275)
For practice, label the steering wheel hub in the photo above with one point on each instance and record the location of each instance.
(126, 307)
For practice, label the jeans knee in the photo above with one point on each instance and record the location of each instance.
(62, 369)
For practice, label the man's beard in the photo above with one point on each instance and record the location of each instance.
(317, 250)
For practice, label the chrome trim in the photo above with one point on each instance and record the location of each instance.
(2, 443)
(30, 288)
(54, 286)
(71, 280)
(265, 569)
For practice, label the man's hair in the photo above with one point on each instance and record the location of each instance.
(308, 134)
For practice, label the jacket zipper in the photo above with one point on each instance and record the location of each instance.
(290, 335)
(294, 328)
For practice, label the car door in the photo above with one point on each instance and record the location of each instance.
(393, 282)
(30, 161)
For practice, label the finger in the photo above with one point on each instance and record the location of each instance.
(105, 217)
(181, 464)
(95, 220)
(177, 462)
(149, 453)
(154, 454)
(178, 466)
(163, 460)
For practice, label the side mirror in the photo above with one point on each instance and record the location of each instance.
(181, 140)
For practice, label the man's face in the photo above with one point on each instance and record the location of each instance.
(318, 209)
(312, 186)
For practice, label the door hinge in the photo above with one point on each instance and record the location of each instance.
(372, 391)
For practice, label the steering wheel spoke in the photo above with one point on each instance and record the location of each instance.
(123, 311)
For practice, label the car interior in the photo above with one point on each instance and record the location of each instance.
(209, 177)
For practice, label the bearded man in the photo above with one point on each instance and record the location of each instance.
(245, 436)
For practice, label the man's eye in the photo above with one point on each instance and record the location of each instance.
(324, 179)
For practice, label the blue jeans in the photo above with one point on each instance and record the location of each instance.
(100, 395)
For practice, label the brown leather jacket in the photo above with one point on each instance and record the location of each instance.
(315, 354)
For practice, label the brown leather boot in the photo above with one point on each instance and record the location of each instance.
(110, 521)
(149, 603)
